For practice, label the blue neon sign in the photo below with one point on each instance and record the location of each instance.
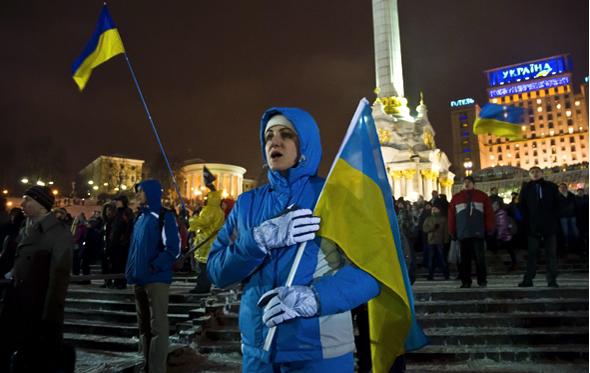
(462, 102)
(530, 70)
(530, 86)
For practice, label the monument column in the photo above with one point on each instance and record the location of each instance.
(397, 183)
(388, 57)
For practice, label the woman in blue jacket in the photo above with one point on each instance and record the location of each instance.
(257, 247)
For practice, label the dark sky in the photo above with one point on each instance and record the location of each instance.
(209, 69)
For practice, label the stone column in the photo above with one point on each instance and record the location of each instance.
(409, 178)
(397, 183)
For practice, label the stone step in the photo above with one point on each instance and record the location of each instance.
(502, 305)
(116, 305)
(98, 328)
(519, 320)
(100, 342)
(491, 293)
(491, 366)
(506, 336)
(223, 334)
(219, 347)
(445, 354)
(114, 316)
(95, 292)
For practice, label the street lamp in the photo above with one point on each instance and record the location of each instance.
(90, 182)
(40, 183)
(5, 191)
(55, 192)
(24, 180)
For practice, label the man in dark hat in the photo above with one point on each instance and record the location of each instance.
(471, 217)
(32, 311)
(120, 238)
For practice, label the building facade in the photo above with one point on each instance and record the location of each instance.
(556, 118)
(229, 179)
(109, 175)
(465, 156)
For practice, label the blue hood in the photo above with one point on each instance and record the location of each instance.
(153, 194)
(310, 147)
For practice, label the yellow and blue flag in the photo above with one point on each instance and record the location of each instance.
(500, 120)
(356, 207)
(104, 44)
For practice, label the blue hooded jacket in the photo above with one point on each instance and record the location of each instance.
(152, 252)
(236, 257)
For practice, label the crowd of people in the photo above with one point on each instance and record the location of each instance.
(43, 246)
(460, 231)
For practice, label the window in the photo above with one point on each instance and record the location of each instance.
(573, 148)
(570, 122)
(553, 142)
(549, 116)
(534, 153)
(499, 157)
(572, 140)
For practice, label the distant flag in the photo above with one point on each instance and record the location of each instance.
(209, 178)
(500, 120)
(104, 44)
(356, 207)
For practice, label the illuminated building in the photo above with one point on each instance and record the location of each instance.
(556, 118)
(109, 174)
(465, 154)
(229, 179)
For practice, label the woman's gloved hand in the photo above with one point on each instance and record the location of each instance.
(287, 302)
(286, 230)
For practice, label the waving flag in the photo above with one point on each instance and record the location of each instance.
(500, 120)
(104, 44)
(356, 207)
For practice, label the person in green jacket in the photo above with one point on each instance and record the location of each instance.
(205, 226)
(438, 234)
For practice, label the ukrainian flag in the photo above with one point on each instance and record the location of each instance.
(104, 44)
(500, 120)
(356, 207)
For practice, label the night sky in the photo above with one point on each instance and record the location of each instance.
(209, 69)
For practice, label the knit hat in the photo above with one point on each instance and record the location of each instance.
(470, 178)
(42, 195)
(279, 120)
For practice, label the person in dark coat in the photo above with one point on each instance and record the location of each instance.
(16, 218)
(121, 231)
(32, 310)
(109, 210)
(567, 219)
(539, 202)
(582, 220)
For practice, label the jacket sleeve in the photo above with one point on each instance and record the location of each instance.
(171, 241)
(59, 279)
(204, 219)
(452, 223)
(348, 288)
(234, 254)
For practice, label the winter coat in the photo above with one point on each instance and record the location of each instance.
(437, 229)
(153, 251)
(539, 202)
(503, 232)
(236, 257)
(470, 215)
(567, 205)
(41, 275)
(209, 220)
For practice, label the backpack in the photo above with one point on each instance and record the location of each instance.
(512, 226)
(182, 232)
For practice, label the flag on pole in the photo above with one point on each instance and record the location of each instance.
(104, 44)
(500, 120)
(356, 207)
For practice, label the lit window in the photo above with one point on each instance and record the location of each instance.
(539, 109)
(492, 157)
(570, 130)
(551, 132)
(539, 101)
(494, 100)
(523, 128)
(577, 103)
(558, 106)
(580, 128)
(568, 113)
